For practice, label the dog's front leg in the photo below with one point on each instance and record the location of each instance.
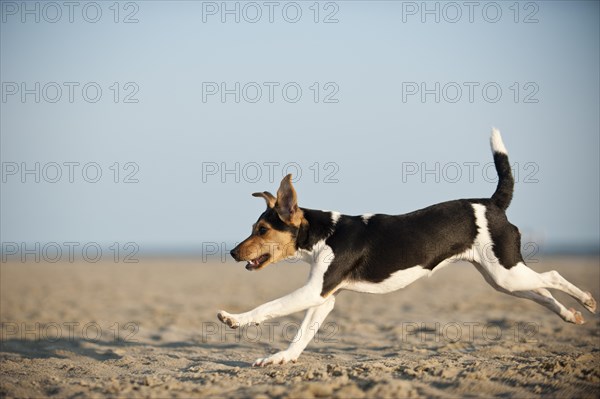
(310, 325)
(301, 299)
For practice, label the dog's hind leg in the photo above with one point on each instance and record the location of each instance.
(500, 260)
(539, 295)
(554, 280)
(545, 298)
(522, 278)
(310, 325)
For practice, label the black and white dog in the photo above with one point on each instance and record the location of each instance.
(382, 253)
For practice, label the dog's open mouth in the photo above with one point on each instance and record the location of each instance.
(258, 262)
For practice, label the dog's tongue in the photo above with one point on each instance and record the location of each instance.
(252, 265)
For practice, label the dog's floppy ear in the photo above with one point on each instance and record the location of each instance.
(269, 198)
(287, 203)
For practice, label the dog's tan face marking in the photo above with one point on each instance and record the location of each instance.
(273, 236)
(266, 245)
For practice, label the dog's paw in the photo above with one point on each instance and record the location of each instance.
(228, 319)
(590, 304)
(282, 357)
(576, 317)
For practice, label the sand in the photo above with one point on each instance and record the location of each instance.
(80, 330)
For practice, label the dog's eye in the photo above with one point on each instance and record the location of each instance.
(262, 230)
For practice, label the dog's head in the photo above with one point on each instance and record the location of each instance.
(274, 234)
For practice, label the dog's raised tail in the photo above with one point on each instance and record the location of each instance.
(504, 192)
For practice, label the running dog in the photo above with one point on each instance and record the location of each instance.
(379, 253)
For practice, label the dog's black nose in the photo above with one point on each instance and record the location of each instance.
(234, 253)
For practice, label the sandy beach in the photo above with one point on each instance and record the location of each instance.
(149, 329)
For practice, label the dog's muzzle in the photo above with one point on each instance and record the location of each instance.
(235, 254)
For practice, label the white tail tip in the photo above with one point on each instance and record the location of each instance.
(496, 141)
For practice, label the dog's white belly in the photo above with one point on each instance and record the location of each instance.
(397, 280)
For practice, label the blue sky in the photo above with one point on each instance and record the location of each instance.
(349, 118)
